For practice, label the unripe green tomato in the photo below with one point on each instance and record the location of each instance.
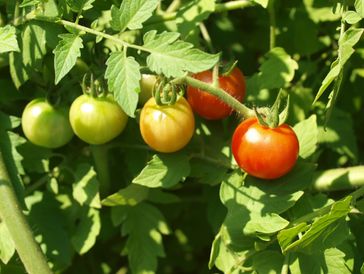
(97, 120)
(147, 83)
(46, 125)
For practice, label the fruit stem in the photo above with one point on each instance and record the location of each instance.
(11, 214)
(272, 23)
(224, 96)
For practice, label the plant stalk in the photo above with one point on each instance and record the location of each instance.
(99, 154)
(11, 214)
(272, 25)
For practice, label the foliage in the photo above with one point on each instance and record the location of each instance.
(124, 208)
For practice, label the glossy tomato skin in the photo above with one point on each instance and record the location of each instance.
(97, 120)
(167, 128)
(264, 152)
(209, 106)
(147, 83)
(46, 125)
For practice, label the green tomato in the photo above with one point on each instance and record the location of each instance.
(97, 120)
(46, 125)
(147, 83)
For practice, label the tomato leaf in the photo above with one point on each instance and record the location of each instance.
(79, 5)
(8, 41)
(276, 260)
(359, 7)
(144, 224)
(331, 260)
(132, 14)
(123, 77)
(29, 3)
(65, 54)
(7, 247)
(351, 17)
(317, 237)
(164, 170)
(263, 3)
(173, 57)
(131, 195)
(307, 134)
(86, 187)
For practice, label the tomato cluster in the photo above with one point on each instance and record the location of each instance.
(261, 151)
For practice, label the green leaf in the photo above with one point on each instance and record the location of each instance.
(144, 225)
(173, 57)
(46, 215)
(359, 7)
(86, 187)
(330, 77)
(164, 170)
(123, 77)
(87, 230)
(35, 158)
(29, 3)
(351, 17)
(350, 38)
(79, 5)
(274, 266)
(207, 173)
(263, 3)
(132, 14)
(7, 247)
(65, 54)
(286, 236)
(130, 195)
(307, 133)
(320, 231)
(331, 261)
(8, 40)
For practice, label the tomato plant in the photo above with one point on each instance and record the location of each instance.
(167, 128)
(263, 152)
(46, 125)
(209, 106)
(97, 120)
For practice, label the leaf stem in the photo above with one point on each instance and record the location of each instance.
(220, 93)
(11, 214)
(272, 25)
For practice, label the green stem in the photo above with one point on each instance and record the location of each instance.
(100, 157)
(224, 96)
(272, 25)
(285, 267)
(339, 179)
(173, 6)
(11, 214)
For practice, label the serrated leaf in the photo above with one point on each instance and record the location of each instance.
(144, 225)
(359, 7)
(164, 171)
(307, 134)
(350, 38)
(321, 228)
(330, 77)
(7, 247)
(65, 54)
(286, 236)
(123, 76)
(132, 14)
(87, 230)
(8, 41)
(130, 195)
(173, 57)
(86, 188)
(79, 5)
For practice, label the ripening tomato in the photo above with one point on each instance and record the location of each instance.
(263, 152)
(209, 106)
(147, 83)
(46, 125)
(97, 120)
(167, 128)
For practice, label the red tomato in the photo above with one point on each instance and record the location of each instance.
(209, 106)
(264, 152)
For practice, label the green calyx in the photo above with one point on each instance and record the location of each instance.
(93, 87)
(271, 117)
(166, 93)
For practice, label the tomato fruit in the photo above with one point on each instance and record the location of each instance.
(46, 125)
(147, 83)
(209, 106)
(97, 120)
(265, 152)
(167, 128)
